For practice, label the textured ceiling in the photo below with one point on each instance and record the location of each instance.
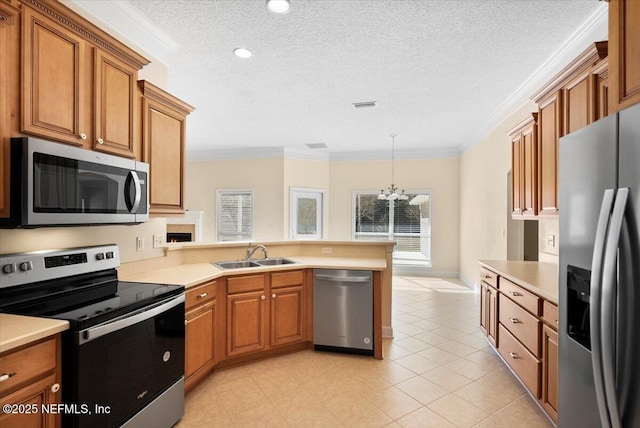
(438, 69)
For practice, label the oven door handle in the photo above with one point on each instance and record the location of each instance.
(93, 333)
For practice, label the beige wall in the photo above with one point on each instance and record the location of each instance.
(440, 176)
(483, 196)
(264, 176)
(46, 238)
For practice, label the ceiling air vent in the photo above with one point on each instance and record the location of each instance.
(317, 146)
(365, 104)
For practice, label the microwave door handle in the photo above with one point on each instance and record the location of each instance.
(595, 310)
(137, 197)
(608, 330)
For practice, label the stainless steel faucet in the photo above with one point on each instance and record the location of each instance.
(250, 251)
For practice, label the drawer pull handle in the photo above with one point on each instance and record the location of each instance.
(55, 387)
(515, 294)
(514, 320)
(200, 296)
(487, 276)
(513, 355)
(6, 376)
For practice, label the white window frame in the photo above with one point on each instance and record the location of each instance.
(219, 194)
(318, 194)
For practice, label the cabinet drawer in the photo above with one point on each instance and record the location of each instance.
(201, 294)
(489, 277)
(527, 300)
(243, 284)
(525, 365)
(28, 363)
(285, 279)
(521, 323)
(550, 314)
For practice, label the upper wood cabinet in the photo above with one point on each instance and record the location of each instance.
(9, 64)
(568, 102)
(624, 49)
(164, 123)
(524, 170)
(77, 82)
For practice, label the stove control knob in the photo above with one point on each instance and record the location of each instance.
(9, 268)
(25, 266)
(109, 254)
(100, 256)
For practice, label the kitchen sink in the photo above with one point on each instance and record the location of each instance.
(274, 261)
(236, 264)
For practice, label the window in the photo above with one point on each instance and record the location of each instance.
(406, 222)
(235, 215)
(306, 213)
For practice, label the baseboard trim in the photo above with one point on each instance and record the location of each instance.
(387, 332)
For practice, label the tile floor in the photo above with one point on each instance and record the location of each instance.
(438, 371)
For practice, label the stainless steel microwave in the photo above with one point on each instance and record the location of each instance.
(53, 184)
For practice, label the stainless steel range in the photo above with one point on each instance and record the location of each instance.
(125, 348)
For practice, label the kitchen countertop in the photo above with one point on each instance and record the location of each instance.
(197, 273)
(18, 330)
(538, 277)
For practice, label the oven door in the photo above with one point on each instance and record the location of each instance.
(121, 366)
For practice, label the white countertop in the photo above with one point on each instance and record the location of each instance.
(18, 330)
(538, 277)
(197, 273)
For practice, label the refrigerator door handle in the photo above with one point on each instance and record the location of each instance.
(608, 332)
(595, 311)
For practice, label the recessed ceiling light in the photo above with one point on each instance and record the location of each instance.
(278, 6)
(242, 52)
(317, 145)
(364, 104)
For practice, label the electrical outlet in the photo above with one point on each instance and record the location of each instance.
(326, 250)
(158, 241)
(140, 243)
(551, 240)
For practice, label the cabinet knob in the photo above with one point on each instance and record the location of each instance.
(515, 294)
(55, 387)
(513, 355)
(514, 320)
(100, 141)
(200, 296)
(186, 322)
(6, 376)
(83, 136)
(273, 296)
(263, 297)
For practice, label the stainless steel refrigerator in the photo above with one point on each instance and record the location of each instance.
(599, 296)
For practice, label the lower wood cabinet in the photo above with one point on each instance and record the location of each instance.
(549, 397)
(200, 332)
(489, 305)
(246, 323)
(33, 380)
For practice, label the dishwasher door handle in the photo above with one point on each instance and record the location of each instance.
(332, 278)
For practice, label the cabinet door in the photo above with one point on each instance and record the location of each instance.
(287, 315)
(246, 323)
(114, 105)
(32, 398)
(550, 371)
(9, 83)
(200, 338)
(484, 308)
(516, 175)
(624, 53)
(54, 97)
(164, 139)
(549, 132)
(530, 171)
(601, 90)
(577, 103)
(492, 315)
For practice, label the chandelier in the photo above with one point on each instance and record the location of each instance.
(392, 191)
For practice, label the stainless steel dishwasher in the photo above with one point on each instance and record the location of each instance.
(343, 311)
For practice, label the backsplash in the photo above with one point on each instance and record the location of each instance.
(46, 238)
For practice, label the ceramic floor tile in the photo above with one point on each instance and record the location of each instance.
(469, 368)
(457, 348)
(424, 418)
(457, 410)
(522, 413)
(432, 338)
(416, 364)
(393, 402)
(488, 398)
(422, 390)
(446, 378)
(413, 344)
(438, 355)
(352, 413)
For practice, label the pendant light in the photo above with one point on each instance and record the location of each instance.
(392, 191)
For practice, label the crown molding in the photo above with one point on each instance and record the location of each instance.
(122, 18)
(594, 28)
